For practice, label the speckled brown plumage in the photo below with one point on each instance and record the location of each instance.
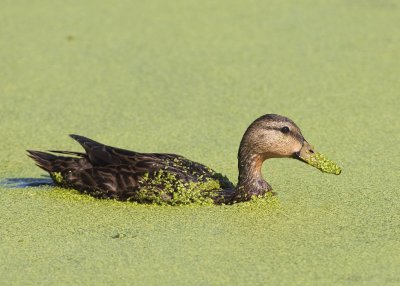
(109, 172)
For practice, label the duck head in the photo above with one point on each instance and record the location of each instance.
(274, 136)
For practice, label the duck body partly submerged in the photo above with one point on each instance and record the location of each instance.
(108, 172)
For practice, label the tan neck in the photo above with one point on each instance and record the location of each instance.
(250, 180)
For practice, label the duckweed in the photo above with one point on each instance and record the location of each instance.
(324, 164)
(164, 187)
(266, 201)
(57, 177)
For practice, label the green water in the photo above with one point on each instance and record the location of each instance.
(188, 77)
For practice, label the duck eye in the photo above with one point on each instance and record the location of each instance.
(285, 129)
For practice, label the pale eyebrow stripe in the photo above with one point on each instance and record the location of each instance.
(296, 135)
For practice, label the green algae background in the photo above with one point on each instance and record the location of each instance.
(188, 77)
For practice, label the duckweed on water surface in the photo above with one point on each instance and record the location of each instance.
(324, 164)
(187, 77)
(266, 202)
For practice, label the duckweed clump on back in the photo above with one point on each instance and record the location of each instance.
(165, 188)
(57, 177)
(324, 164)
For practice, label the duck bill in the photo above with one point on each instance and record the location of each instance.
(304, 154)
(308, 155)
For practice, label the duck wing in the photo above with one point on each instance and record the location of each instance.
(101, 155)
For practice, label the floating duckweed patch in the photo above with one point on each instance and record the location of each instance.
(164, 187)
(71, 195)
(267, 201)
(324, 164)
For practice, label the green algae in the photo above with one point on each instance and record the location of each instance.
(324, 164)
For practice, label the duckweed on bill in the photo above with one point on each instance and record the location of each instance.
(324, 164)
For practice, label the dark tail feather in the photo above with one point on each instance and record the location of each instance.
(79, 154)
(87, 144)
(43, 160)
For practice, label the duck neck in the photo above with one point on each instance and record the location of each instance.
(250, 180)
